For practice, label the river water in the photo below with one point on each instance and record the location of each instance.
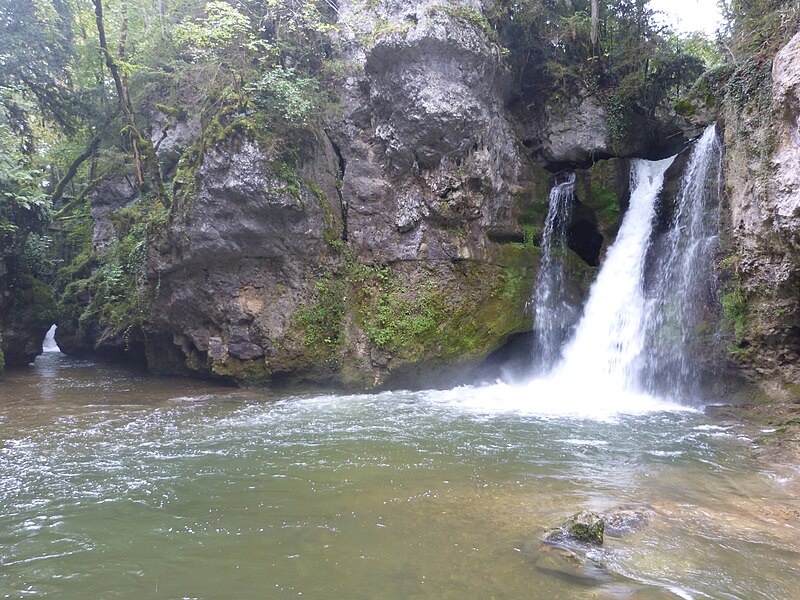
(115, 484)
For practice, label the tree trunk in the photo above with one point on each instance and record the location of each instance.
(594, 34)
(143, 163)
(73, 169)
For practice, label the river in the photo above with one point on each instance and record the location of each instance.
(116, 484)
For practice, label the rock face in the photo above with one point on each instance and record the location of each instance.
(578, 132)
(27, 306)
(763, 183)
(401, 246)
(398, 246)
(248, 251)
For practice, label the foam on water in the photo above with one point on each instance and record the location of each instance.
(553, 398)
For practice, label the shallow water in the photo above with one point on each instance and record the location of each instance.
(119, 485)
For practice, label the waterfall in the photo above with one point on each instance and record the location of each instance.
(681, 291)
(552, 313)
(49, 343)
(634, 349)
(610, 335)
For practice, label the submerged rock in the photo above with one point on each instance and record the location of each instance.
(626, 521)
(573, 566)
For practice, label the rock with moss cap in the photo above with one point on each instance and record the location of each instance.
(584, 527)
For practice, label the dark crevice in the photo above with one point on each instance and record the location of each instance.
(586, 241)
(342, 169)
(500, 236)
(561, 166)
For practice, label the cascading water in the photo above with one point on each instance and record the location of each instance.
(610, 335)
(552, 313)
(49, 343)
(641, 325)
(681, 287)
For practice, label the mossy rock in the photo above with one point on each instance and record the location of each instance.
(604, 189)
(422, 317)
(584, 527)
(242, 371)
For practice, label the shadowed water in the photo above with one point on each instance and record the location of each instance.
(117, 485)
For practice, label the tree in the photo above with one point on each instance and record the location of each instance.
(145, 163)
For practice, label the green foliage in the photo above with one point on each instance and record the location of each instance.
(222, 29)
(20, 183)
(322, 322)
(118, 290)
(286, 94)
(735, 317)
(758, 27)
(751, 83)
(637, 66)
(37, 256)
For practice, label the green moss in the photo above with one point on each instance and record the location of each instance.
(444, 317)
(735, 317)
(2, 364)
(685, 108)
(171, 111)
(398, 319)
(383, 29)
(330, 228)
(322, 321)
(599, 190)
(242, 371)
(472, 331)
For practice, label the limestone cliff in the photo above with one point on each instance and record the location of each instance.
(401, 244)
(393, 242)
(762, 298)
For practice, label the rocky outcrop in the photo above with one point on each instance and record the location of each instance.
(393, 248)
(396, 244)
(27, 306)
(27, 316)
(577, 131)
(762, 299)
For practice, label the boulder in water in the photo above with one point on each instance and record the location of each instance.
(585, 526)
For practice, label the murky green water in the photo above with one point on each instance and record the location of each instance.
(114, 485)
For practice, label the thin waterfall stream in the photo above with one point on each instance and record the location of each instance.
(552, 313)
(681, 289)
